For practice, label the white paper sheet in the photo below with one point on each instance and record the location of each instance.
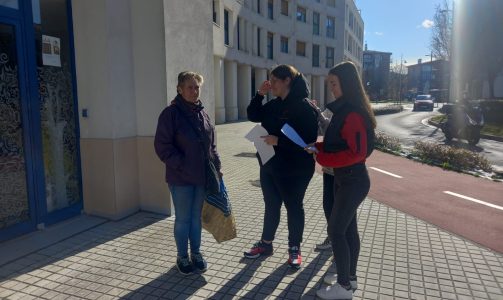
(265, 151)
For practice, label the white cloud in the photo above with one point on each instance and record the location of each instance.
(427, 23)
(379, 33)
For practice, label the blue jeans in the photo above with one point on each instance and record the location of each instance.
(188, 201)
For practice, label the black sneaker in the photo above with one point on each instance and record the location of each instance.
(199, 262)
(258, 249)
(184, 265)
(294, 257)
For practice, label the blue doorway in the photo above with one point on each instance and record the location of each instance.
(40, 181)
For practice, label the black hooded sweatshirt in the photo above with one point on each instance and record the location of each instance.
(289, 159)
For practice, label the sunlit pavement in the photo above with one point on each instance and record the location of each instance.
(401, 256)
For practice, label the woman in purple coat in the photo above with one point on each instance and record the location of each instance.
(185, 141)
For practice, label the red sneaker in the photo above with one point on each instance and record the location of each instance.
(258, 249)
(294, 257)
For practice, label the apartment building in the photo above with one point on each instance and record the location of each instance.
(250, 37)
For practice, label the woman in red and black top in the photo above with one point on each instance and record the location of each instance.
(347, 143)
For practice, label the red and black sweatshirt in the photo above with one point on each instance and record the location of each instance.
(345, 141)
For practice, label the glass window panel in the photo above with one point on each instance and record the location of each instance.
(14, 206)
(59, 121)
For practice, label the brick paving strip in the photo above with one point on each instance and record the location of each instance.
(401, 256)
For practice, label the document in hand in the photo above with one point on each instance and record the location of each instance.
(293, 135)
(290, 133)
(265, 151)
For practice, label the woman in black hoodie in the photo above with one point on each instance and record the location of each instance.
(285, 177)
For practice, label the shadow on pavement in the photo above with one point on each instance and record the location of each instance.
(80, 242)
(238, 281)
(171, 285)
(296, 287)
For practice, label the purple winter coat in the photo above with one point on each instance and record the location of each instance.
(179, 146)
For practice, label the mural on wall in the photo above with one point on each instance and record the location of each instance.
(59, 137)
(14, 201)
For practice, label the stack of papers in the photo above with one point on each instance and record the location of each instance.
(265, 151)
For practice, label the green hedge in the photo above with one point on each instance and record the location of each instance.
(493, 111)
(388, 109)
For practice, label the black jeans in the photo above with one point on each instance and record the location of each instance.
(289, 190)
(351, 186)
(328, 194)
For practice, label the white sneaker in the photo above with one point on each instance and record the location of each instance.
(326, 244)
(331, 279)
(335, 291)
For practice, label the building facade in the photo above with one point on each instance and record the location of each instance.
(432, 77)
(84, 81)
(251, 37)
(376, 66)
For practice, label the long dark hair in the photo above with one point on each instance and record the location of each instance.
(352, 88)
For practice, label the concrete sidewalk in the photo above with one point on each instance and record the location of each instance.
(401, 257)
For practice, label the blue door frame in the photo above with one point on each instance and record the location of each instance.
(22, 20)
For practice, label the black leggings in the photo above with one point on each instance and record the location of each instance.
(289, 190)
(351, 186)
(328, 194)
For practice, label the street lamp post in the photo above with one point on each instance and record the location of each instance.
(431, 72)
(400, 80)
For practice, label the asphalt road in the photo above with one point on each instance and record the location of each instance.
(409, 127)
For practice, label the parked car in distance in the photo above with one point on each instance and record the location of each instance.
(423, 102)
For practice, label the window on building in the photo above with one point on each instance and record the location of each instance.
(259, 11)
(301, 14)
(284, 44)
(270, 9)
(259, 51)
(270, 45)
(316, 23)
(331, 3)
(351, 20)
(284, 7)
(316, 55)
(301, 48)
(329, 61)
(215, 11)
(238, 29)
(226, 27)
(330, 27)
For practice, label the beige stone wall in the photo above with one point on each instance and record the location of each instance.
(122, 66)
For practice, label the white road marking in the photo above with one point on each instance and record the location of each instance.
(474, 200)
(387, 173)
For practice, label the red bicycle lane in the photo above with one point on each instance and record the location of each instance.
(465, 205)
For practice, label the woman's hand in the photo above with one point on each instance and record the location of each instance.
(270, 140)
(264, 88)
(311, 149)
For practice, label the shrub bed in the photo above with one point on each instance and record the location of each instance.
(450, 158)
(387, 143)
(388, 109)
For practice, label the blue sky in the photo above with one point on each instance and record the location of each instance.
(399, 27)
